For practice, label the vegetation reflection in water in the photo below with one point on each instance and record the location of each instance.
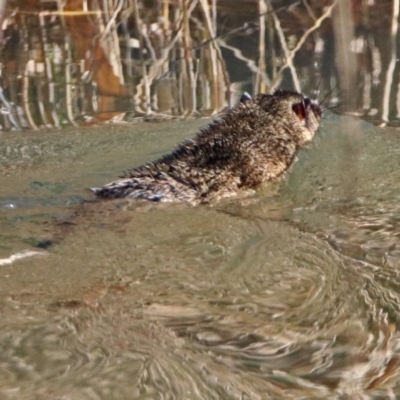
(290, 294)
(84, 62)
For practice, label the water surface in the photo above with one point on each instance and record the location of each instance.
(291, 293)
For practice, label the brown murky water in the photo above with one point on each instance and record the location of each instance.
(292, 293)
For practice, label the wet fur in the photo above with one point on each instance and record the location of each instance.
(253, 143)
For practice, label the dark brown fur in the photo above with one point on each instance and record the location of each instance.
(253, 143)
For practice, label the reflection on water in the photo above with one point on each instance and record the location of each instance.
(291, 293)
(80, 62)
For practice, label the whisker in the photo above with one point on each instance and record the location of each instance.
(331, 107)
(327, 95)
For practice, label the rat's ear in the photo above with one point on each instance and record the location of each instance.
(300, 109)
(245, 97)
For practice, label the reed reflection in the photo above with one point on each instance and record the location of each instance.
(84, 62)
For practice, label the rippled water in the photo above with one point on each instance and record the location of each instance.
(293, 293)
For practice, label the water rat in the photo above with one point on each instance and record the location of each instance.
(252, 143)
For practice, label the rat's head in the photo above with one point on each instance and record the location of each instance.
(298, 113)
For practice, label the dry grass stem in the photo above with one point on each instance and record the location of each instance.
(302, 40)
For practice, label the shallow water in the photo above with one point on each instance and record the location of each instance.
(292, 293)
